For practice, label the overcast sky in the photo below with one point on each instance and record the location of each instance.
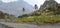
(32, 2)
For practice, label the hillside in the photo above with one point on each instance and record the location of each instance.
(48, 4)
(50, 7)
(6, 15)
(48, 13)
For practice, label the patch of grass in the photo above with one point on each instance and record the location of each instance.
(38, 19)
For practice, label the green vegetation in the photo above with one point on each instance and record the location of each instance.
(39, 19)
(49, 13)
(6, 15)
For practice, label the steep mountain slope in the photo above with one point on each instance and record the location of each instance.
(50, 7)
(48, 3)
(16, 7)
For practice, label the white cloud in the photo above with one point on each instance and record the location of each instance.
(38, 2)
(58, 1)
(33, 2)
(6, 1)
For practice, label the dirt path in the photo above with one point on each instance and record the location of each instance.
(24, 25)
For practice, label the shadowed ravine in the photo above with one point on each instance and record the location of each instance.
(24, 25)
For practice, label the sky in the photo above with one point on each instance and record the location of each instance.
(31, 2)
(38, 2)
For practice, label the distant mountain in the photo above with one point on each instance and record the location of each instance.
(16, 7)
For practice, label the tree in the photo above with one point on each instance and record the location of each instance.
(2, 16)
(36, 7)
(23, 9)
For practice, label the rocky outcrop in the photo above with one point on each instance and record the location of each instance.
(48, 3)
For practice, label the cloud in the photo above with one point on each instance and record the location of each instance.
(58, 1)
(6, 1)
(33, 2)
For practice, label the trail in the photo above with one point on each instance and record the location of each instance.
(24, 25)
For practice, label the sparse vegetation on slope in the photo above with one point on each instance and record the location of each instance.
(48, 14)
(6, 17)
(39, 19)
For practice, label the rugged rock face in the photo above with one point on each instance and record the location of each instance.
(48, 3)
